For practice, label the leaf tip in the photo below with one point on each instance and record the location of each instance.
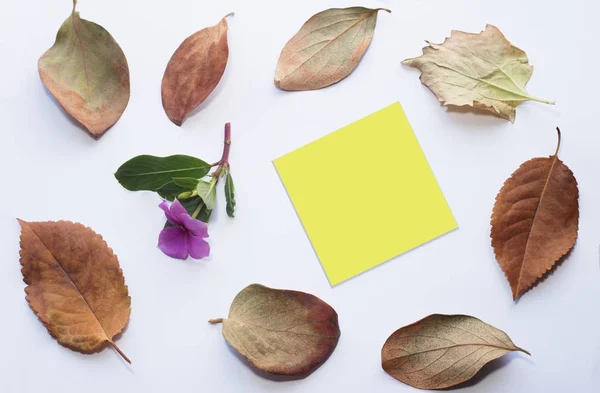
(524, 351)
(177, 122)
(229, 15)
(384, 9)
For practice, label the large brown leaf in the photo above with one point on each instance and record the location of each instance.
(535, 220)
(441, 351)
(484, 71)
(87, 72)
(327, 48)
(194, 71)
(74, 284)
(281, 332)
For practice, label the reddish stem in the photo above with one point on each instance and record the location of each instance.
(224, 161)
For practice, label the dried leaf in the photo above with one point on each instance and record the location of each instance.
(327, 48)
(87, 72)
(441, 351)
(535, 220)
(194, 71)
(74, 284)
(484, 71)
(281, 332)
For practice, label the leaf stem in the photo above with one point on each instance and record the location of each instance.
(383, 9)
(215, 321)
(559, 140)
(120, 352)
(542, 101)
(224, 161)
(197, 211)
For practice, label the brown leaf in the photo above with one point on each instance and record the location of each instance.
(281, 332)
(87, 72)
(535, 220)
(326, 49)
(441, 351)
(74, 284)
(483, 71)
(194, 71)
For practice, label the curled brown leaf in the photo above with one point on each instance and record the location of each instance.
(195, 70)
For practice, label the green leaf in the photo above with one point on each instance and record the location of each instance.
(191, 204)
(207, 192)
(229, 195)
(152, 173)
(170, 191)
(189, 183)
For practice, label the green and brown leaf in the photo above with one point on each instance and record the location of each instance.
(87, 72)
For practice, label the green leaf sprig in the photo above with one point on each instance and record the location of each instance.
(184, 178)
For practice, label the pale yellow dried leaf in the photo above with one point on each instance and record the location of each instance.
(484, 71)
(327, 48)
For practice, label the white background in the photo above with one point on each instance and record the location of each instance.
(52, 170)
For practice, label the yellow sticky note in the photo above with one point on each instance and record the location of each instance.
(365, 194)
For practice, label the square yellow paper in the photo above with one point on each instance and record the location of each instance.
(365, 194)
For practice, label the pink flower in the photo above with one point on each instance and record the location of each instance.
(185, 237)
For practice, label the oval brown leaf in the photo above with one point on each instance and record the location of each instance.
(327, 48)
(194, 71)
(87, 72)
(535, 220)
(441, 351)
(281, 332)
(74, 284)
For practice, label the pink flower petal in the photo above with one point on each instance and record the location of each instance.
(165, 207)
(177, 210)
(173, 241)
(199, 248)
(196, 227)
